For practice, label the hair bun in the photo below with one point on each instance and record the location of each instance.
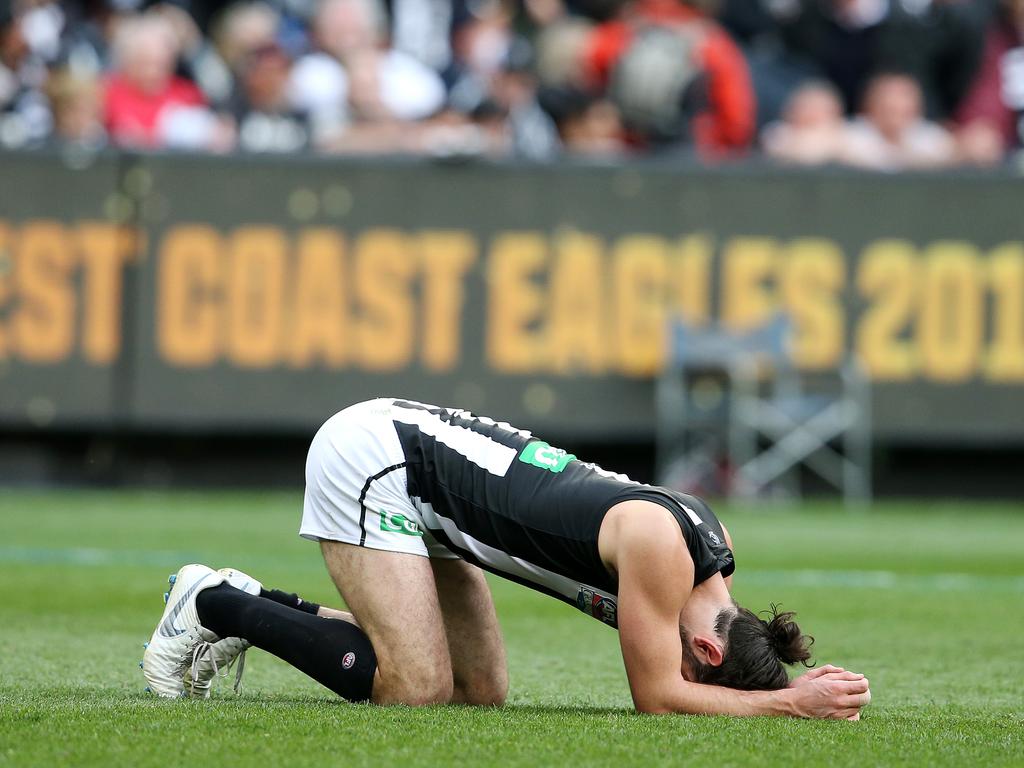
(790, 644)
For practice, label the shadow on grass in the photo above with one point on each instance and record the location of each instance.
(107, 696)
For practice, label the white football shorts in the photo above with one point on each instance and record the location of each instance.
(356, 487)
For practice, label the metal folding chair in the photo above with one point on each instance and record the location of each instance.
(736, 418)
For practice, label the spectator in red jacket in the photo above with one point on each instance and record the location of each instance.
(145, 104)
(676, 76)
(991, 117)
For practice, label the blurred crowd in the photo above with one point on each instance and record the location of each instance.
(881, 84)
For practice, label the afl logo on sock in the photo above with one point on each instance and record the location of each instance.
(348, 660)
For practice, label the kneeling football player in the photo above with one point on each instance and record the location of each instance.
(410, 503)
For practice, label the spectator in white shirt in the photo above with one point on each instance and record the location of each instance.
(892, 134)
(812, 128)
(392, 86)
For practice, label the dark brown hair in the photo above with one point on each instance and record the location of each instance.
(755, 650)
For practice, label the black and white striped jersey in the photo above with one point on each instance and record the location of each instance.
(522, 509)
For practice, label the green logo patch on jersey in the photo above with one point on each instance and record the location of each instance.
(392, 522)
(540, 454)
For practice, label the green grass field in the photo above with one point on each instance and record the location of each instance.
(927, 600)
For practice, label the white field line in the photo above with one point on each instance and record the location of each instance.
(797, 577)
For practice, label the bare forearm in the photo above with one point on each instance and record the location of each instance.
(826, 692)
(698, 699)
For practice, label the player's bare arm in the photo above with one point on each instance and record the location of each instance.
(642, 544)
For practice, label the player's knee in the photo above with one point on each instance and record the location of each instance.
(417, 687)
(486, 690)
(422, 695)
(483, 695)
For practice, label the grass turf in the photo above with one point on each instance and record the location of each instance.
(925, 599)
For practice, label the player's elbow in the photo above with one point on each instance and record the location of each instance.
(663, 700)
(651, 704)
(653, 708)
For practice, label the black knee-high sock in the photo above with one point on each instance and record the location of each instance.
(333, 652)
(290, 599)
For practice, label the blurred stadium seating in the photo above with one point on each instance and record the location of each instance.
(871, 83)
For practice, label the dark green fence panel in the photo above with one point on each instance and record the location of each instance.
(267, 294)
(65, 254)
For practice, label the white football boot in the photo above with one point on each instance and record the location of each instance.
(179, 640)
(222, 654)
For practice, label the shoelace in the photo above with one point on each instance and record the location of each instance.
(202, 649)
(239, 664)
(205, 649)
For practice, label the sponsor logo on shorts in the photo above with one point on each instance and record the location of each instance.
(540, 454)
(599, 606)
(714, 538)
(392, 522)
(348, 660)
